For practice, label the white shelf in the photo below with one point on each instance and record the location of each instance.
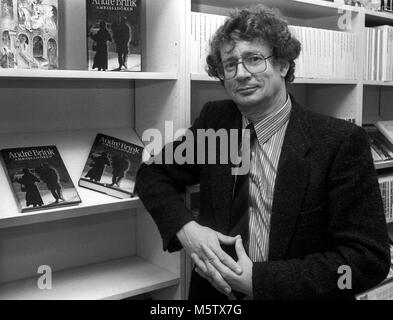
(115, 279)
(303, 9)
(383, 164)
(83, 74)
(205, 78)
(325, 81)
(378, 16)
(74, 148)
(378, 83)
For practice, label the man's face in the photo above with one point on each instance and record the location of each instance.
(251, 92)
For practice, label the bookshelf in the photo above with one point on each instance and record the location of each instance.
(111, 280)
(88, 75)
(112, 246)
(365, 101)
(104, 248)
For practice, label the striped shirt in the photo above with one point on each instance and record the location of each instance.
(265, 154)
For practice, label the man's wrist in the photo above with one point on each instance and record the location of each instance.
(183, 230)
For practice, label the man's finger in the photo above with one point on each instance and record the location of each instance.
(215, 261)
(224, 258)
(240, 251)
(204, 276)
(226, 239)
(198, 262)
(216, 279)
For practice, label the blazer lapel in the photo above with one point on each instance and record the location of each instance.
(291, 182)
(223, 180)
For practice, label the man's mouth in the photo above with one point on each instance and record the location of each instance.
(247, 89)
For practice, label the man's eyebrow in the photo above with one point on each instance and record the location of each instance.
(245, 53)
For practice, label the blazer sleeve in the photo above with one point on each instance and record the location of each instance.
(356, 234)
(160, 186)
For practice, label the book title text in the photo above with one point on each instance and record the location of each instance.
(119, 146)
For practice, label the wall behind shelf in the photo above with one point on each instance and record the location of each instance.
(66, 243)
(42, 105)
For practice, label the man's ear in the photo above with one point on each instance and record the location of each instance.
(284, 67)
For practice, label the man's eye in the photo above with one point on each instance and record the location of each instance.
(254, 59)
(230, 65)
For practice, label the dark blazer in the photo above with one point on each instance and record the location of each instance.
(327, 208)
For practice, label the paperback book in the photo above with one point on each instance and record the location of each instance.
(29, 34)
(39, 178)
(113, 35)
(381, 147)
(112, 166)
(386, 128)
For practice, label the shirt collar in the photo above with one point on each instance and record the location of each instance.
(273, 122)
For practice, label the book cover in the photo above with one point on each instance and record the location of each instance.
(386, 128)
(113, 35)
(381, 147)
(112, 166)
(39, 178)
(29, 34)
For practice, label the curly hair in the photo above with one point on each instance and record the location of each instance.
(256, 23)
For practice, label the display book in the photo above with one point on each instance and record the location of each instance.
(38, 177)
(29, 34)
(112, 166)
(113, 30)
(381, 140)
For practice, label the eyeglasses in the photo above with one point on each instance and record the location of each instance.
(255, 63)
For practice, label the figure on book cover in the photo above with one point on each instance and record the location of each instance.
(97, 166)
(101, 38)
(122, 39)
(28, 184)
(120, 166)
(50, 176)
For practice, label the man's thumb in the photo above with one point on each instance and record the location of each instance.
(240, 251)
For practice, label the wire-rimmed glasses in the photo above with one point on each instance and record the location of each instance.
(254, 63)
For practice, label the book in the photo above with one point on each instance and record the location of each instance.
(29, 34)
(386, 128)
(112, 166)
(38, 178)
(385, 182)
(113, 35)
(390, 233)
(381, 147)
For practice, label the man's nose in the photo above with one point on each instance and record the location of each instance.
(242, 72)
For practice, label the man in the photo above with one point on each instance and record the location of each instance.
(310, 203)
(122, 39)
(50, 176)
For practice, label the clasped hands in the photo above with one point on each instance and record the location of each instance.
(214, 264)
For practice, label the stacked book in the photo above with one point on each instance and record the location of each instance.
(203, 27)
(386, 187)
(386, 5)
(326, 54)
(379, 53)
(381, 142)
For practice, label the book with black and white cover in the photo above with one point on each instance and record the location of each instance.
(386, 128)
(114, 35)
(381, 147)
(38, 178)
(385, 182)
(112, 166)
(29, 34)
